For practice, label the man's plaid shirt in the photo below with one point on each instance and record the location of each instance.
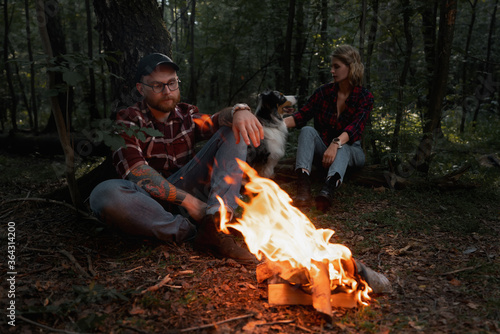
(183, 128)
(322, 106)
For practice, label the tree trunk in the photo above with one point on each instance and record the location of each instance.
(440, 78)
(432, 115)
(372, 34)
(300, 86)
(407, 14)
(8, 73)
(287, 54)
(163, 3)
(91, 95)
(362, 28)
(487, 87)
(33, 104)
(58, 45)
(193, 82)
(324, 49)
(20, 88)
(429, 14)
(130, 30)
(466, 66)
(62, 128)
(104, 91)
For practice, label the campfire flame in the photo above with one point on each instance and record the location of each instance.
(274, 229)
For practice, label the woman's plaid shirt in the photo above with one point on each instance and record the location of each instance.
(322, 106)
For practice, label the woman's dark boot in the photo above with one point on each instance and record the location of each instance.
(303, 197)
(325, 196)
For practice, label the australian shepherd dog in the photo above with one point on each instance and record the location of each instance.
(270, 109)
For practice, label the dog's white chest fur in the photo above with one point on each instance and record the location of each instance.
(275, 138)
(269, 112)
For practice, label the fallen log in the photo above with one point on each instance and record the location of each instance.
(50, 145)
(376, 176)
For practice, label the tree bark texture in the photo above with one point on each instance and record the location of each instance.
(8, 72)
(433, 112)
(300, 86)
(428, 12)
(287, 54)
(54, 27)
(130, 30)
(486, 88)
(407, 14)
(466, 66)
(448, 15)
(33, 102)
(362, 28)
(62, 128)
(372, 34)
(324, 49)
(193, 82)
(91, 95)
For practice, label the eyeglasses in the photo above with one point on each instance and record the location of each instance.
(159, 87)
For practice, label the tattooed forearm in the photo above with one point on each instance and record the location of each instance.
(156, 185)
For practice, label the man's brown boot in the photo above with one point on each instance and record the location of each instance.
(304, 196)
(219, 244)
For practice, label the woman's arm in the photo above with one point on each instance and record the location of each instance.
(290, 122)
(331, 151)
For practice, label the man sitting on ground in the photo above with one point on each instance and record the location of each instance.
(167, 191)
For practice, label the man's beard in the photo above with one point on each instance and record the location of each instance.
(157, 105)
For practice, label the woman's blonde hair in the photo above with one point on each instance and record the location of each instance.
(350, 56)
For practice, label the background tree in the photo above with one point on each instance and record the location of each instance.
(7, 66)
(57, 112)
(57, 38)
(438, 58)
(130, 30)
(229, 51)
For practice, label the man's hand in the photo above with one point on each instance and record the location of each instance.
(195, 208)
(246, 124)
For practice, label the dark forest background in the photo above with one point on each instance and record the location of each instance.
(424, 211)
(433, 67)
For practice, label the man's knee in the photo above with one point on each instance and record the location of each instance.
(106, 192)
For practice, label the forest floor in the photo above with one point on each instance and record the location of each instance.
(439, 248)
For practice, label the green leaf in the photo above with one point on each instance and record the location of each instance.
(141, 136)
(152, 132)
(114, 142)
(73, 78)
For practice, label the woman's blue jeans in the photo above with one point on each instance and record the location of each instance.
(213, 171)
(311, 148)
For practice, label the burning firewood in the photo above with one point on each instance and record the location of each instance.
(292, 286)
(320, 281)
(302, 266)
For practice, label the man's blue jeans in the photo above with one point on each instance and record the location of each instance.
(213, 171)
(311, 148)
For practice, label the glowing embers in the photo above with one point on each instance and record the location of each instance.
(300, 260)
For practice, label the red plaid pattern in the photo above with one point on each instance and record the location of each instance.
(183, 128)
(322, 106)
